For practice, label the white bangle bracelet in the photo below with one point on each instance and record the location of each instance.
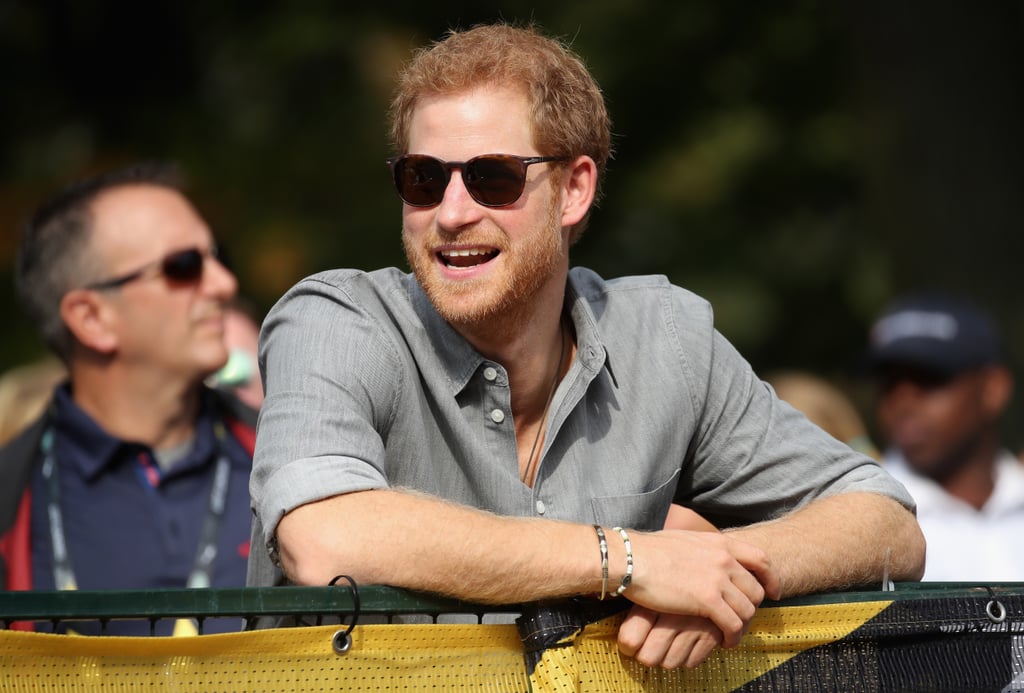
(627, 579)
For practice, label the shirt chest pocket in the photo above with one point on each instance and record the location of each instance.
(646, 511)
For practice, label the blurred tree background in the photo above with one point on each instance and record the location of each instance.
(797, 163)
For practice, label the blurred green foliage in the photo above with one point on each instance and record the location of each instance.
(797, 163)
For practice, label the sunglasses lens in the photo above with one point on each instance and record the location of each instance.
(494, 180)
(420, 180)
(185, 266)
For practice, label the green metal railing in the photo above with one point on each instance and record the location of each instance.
(300, 604)
(316, 603)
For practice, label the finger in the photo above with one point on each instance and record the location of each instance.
(656, 646)
(768, 579)
(668, 630)
(760, 566)
(749, 584)
(772, 582)
(727, 621)
(692, 646)
(739, 602)
(634, 629)
(733, 612)
(700, 650)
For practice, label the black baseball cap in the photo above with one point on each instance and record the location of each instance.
(941, 334)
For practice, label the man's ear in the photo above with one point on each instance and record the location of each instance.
(579, 185)
(87, 317)
(998, 389)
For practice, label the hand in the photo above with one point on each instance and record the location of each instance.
(667, 640)
(704, 574)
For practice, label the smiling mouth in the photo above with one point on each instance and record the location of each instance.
(461, 259)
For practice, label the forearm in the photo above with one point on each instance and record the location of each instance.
(418, 542)
(423, 543)
(840, 542)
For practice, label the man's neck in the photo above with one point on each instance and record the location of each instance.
(153, 411)
(529, 352)
(536, 358)
(974, 481)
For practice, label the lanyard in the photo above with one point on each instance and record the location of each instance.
(200, 576)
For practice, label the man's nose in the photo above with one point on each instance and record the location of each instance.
(218, 280)
(457, 208)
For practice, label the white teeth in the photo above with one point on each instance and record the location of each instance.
(463, 253)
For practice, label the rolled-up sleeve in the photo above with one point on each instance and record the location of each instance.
(330, 380)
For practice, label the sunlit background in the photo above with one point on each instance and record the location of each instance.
(796, 163)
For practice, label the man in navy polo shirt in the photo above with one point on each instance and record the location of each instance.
(137, 474)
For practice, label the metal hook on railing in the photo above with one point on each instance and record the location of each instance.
(342, 639)
(994, 608)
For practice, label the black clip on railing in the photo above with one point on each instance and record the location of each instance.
(342, 640)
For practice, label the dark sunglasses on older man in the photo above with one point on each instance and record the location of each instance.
(181, 266)
(493, 180)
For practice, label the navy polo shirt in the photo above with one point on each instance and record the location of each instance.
(130, 525)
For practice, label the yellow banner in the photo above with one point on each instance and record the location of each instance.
(441, 657)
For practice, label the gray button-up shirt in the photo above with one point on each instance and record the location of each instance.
(367, 387)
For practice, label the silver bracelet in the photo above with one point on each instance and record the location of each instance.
(604, 560)
(627, 579)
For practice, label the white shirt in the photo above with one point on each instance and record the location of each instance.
(965, 544)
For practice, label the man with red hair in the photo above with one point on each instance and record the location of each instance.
(499, 428)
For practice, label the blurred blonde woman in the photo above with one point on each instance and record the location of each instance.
(826, 406)
(24, 392)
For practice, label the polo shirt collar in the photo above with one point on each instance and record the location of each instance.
(91, 450)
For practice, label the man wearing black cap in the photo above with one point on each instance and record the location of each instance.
(942, 388)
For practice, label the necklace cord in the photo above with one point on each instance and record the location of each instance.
(547, 406)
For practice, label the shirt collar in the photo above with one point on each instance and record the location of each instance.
(457, 357)
(461, 361)
(591, 351)
(92, 450)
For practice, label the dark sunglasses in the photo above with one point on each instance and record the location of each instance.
(184, 266)
(891, 376)
(493, 180)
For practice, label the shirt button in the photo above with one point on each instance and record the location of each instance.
(497, 415)
(490, 373)
(540, 507)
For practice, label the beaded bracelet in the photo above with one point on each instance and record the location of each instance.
(604, 560)
(628, 577)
